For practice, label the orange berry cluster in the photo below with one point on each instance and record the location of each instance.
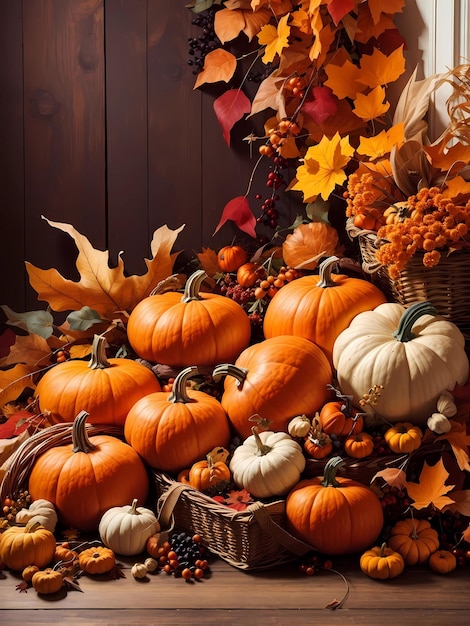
(271, 285)
(434, 223)
(277, 137)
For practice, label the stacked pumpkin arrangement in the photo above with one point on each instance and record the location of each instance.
(316, 328)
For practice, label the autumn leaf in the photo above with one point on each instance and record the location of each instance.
(339, 8)
(36, 322)
(275, 39)
(208, 260)
(268, 96)
(431, 488)
(368, 29)
(219, 65)
(229, 109)
(393, 476)
(459, 441)
(379, 145)
(458, 189)
(33, 350)
(13, 381)
(448, 158)
(343, 79)
(461, 502)
(377, 7)
(380, 69)
(323, 167)
(238, 210)
(322, 106)
(104, 289)
(228, 24)
(371, 106)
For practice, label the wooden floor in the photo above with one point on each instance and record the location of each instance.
(280, 597)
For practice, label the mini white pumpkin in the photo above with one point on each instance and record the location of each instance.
(267, 463)
(41, 511)
(299, 426)
(415, 354)
(125, 529)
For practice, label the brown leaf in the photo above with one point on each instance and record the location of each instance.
(461, 502)
(104, 289)
(459, 441)
(208, 260)
(70, 583)
(23, 587)
(13, 381)
(393, 476)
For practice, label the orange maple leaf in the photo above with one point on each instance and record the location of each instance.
(339, 8)
(379, 69)
(219, 65)
(103, 289)
(431, 488)
(208, 260)
(343, 79)
(461, 502)
(379, 145)
(275, 39)
(377, 7)
(446, 159)
(371, 106)
(459, 441)
(458, 189)
(367, 28)
(323, 167)
(14, 380)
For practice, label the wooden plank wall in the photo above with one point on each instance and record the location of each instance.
(100, 128)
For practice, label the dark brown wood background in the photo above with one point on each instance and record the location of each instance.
(100, 128)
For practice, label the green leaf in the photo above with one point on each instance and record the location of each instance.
(83, 319)
(34, 322)
(318, 211)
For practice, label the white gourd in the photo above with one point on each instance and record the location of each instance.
(415, 355)
(41, 511)
(125, 529)
(267, 463)
(299, 426)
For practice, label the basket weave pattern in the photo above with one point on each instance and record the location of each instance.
(252, 539)
(446, 285)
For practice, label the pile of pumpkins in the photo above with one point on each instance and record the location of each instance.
(317, 328)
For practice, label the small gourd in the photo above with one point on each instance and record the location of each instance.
(359, 445)
(21, 546)
(299, 426)
(28, 572)
(151, 564)
(97, 560)
(317, 444)
(207, 473)
(382, 562)
(139, 570)
(403, 437)
(42, 511)
(125, 529)
(442, 561)
(47, 581)
(414, 539)
(267, 463)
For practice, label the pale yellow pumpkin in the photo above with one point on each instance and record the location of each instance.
(125, 529)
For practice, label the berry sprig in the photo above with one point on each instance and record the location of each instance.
(199, 47)
(183, 556)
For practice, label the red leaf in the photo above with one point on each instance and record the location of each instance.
(339, 8)
(229, 109)
(323, 105)
(238, 210)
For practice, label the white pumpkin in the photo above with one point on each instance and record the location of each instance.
(413, 353)
(125, 529)
(41, 511)
(267, 463)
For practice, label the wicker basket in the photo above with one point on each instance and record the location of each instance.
(446, 285)
(252, 539)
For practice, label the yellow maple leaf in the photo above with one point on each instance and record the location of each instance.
(219, 65)
(379, 69)
(301, 20)
(371, 106)
(431, 488)
(381, 144)
(323, 167)
(343, 79)
(13, 381)
(275, 39)
(458, 189)
(104, 289)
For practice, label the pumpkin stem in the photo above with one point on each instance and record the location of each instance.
(382, 549)
(80, 439)
(227, 369)
(179, 390)
(329, 476)
(410, 317)
(347, 406)
(193, 285)
(262, 448)
(32, 526)
(324, 269)
(133, 509)
(98, 354)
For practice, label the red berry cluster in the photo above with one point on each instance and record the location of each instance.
(314, 564)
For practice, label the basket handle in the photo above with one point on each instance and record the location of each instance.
(168, 500)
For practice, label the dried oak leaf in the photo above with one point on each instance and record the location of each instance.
(104, 289)
(393, 476)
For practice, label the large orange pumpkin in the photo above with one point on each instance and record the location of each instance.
(335, 515)
(193, 329)
(320, 307)
(87, 477)
(172, 431)
(277, 379)
(105, 388)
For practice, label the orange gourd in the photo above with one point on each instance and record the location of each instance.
(249, 273)
(319, 308)
(105, 388)
(442, 561)
(207, 473)
(317, 444)
(21, 546)
(277, 378)
(403, 437)
(87, 477)
(230, 258)
(339, 417)
(382, 562)
(414, 539)
(173, 431)
(359, 445)
(334, 515)
(190, 329)
(97, 560)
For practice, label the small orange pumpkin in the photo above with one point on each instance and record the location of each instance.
(359, 445)
(249, 273)
(403, 437)
(339, 417)
(414, 539)
(317, 444)
(97, 560)
(442, 561)
(207, 473)
(230, 258)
